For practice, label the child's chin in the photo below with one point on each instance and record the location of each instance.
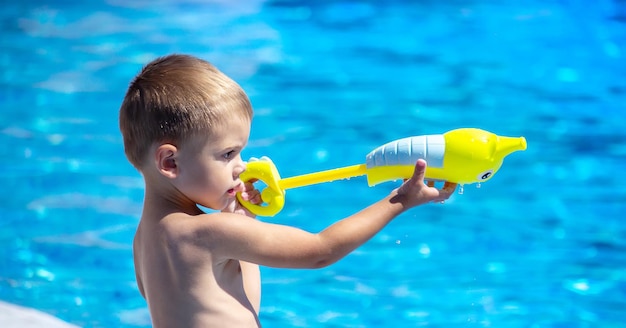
(228, 205)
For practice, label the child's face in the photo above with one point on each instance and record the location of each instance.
(209, 168)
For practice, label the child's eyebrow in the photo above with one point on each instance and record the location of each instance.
(233, 146)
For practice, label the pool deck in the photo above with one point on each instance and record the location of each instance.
(14, 316)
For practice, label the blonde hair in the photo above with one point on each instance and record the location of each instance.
(174, 98)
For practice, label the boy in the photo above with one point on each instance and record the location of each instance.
(184, 124)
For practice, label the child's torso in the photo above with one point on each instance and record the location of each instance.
(182, 283)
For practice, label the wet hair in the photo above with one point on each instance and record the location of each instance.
(174, 98)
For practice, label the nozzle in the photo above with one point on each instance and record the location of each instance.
(508, 145)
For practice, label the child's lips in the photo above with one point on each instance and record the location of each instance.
(233, 191)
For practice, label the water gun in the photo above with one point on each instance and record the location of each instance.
(461, 156)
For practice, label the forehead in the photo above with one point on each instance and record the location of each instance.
(231, 132)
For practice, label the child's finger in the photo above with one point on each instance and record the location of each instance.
(420, 170)
(256, 199)
(252, 196)
(249, 185)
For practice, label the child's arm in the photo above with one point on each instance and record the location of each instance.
(239, 237)
(346, 235)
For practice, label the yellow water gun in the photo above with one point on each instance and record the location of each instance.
(462, 156)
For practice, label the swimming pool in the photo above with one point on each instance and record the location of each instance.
(543, 244)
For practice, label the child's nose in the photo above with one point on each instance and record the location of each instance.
(240, 167)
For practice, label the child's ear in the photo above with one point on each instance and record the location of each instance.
(166, 156)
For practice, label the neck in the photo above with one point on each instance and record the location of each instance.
(162, 198)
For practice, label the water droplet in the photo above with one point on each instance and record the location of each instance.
(478, 185)
(442, 202)
(461, 190)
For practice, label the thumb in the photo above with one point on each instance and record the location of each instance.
(420, 170)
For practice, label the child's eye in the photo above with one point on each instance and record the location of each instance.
(229, 154)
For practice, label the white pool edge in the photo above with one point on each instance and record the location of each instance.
(14, 316)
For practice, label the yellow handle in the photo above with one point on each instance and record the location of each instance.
(273, 195)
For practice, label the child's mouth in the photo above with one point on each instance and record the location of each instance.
(233, 191)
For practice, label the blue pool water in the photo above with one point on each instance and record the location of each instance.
(542, 244)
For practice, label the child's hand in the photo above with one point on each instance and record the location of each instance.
(414, 191)
(248, 193)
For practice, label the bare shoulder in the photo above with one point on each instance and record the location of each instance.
(208, 232)
(181, 225)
